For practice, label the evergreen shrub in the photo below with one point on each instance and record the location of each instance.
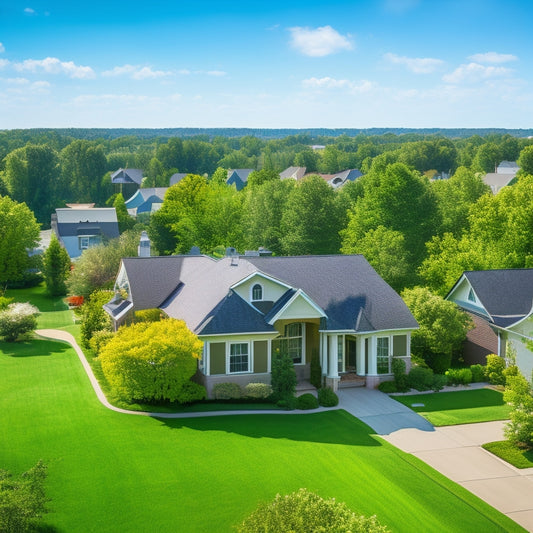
(227, 391)
(327, 398)
(306, 401)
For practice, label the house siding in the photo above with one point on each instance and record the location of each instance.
(480, 342)
(260, 356)
(399, 345)
(217, 353)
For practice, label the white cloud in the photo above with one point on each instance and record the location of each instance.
(29, 10)
(184, 71)
(18, 81)
(137, 72)
(418, 65)
(474, 72)
(492, 57)
(4, 63)
(52, 65)
(2, 48)
(332, 83)
(216, 73)
(319, 42)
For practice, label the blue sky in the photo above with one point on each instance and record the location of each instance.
(275, 64)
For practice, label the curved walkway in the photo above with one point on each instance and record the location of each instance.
(454, 451)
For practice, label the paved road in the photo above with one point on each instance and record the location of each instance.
(455, 451)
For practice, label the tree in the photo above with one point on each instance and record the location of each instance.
(125, 221)
(303, 512)
(519, 394)
(153, 361)
(398, 199)
(283, 377)
(487, 157)
(525, 161)
(23, 500)
(262, 212)
(385, 250)
(93, 316)
(31, 176)
(83, 165)
(20, 233)
(310, 220)
(443, 327)
(17, 320)
(97, 266)
(259, 177)
(56, 266)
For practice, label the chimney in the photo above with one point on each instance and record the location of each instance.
(144, 245)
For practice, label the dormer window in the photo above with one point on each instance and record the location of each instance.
(471, 296)
(257, 292)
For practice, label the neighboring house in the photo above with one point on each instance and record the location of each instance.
(338, 180)
(246, 308)
(507, 167)
(505, 173)
(496, 181)
(295, 173)
(146, 200)
(176, 178)
(500, 302)
(80, 226)
(127, 175)
(238, 177)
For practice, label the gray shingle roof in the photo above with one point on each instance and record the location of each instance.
(197, 290)
(127, 175)
(506, 294)
(342, 285)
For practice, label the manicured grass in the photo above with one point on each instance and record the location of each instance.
(461, 407)
(112, 472)
(511, 454)
(55, 313)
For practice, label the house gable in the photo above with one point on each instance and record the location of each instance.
(270, 289)
(297, 307)
(464, 295)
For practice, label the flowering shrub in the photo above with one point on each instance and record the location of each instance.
(257, 390)
(17, 319)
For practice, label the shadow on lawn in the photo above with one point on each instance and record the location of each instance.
(33, 348)
(332, 427)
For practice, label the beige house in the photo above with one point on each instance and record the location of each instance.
(244, 308)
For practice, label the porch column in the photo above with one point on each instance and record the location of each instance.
(324, 353)
(373, 356)
(333, 369)
(360, 344)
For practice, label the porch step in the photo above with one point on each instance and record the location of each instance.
(351, 380)
(304, 387)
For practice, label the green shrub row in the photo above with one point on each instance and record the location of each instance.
(233, 391)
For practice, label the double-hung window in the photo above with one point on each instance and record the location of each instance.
(239, 358)
(383, 355)
(292, 342)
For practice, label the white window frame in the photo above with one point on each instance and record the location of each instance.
(252, 297)
(389, 358)
(229, 356)
(302, 336)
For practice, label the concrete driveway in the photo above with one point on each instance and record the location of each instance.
(383, 414)
(456, 452)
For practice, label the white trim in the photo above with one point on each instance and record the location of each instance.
(250, 358)
(298, 293)
(264, 276)
(123, 312)
(252, 287)
(273, 334)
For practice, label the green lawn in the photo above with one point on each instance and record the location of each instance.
(513, 455)
(461, 407)
(55, 313)
(111, 472)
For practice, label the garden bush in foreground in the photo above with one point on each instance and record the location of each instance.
(260, 391)
(306, 401)
(459, 376)
(227, 391)
(519, 395)
(327, 398)
(153, 361)
(494, 369)
(17, 319)
(304, 512)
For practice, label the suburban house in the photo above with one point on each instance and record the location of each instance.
(504, 174)
(176, 178)
(338, 180)
(244, 308)
(80, 226)
(238, 177)
(146, 200)
(127, 179)
(293, 173)
(500, 303)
